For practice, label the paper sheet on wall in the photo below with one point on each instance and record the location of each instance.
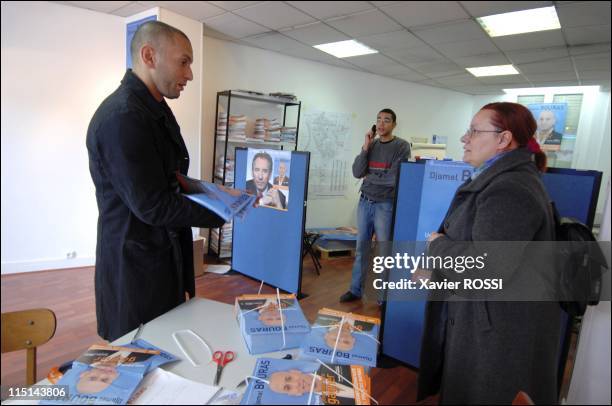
(160, 387)
(326, 135)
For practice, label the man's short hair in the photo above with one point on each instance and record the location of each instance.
(389, 111)
(262, 155)
(152, 32)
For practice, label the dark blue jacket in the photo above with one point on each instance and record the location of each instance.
(144, 252)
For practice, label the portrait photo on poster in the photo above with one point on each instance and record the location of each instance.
(268, 177)
(551, 124)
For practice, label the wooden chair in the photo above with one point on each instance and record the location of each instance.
(26, 330)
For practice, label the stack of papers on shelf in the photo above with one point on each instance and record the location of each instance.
(221, 124)
(342, 338)
(229, 169)
(297, 382)
(267, 328)
(237, 127)
(226, 202)
(260, 129)
(223, 245)
(161, 387)
(288, 134)
(273, 130)
(284, 95)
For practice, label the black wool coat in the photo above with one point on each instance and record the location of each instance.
(484, 352)
(144, 252)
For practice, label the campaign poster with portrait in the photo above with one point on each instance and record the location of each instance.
(268, 177)
(551, 124)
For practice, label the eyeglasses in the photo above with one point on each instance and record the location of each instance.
(471, 132)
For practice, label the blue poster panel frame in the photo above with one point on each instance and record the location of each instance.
(267, 243)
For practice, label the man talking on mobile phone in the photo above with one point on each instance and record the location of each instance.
(377, 164)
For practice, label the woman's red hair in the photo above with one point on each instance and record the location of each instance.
(517, 119)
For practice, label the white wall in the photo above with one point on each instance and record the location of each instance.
(421, 110)
(58, 64)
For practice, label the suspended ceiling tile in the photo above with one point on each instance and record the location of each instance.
(593, 62)
(462, 79)
(584, 13)
(553, 65)
(316, 34)
(393, 69)
(234, 26)
(416, 55)
(466, 48)
(451, 32)
(536, 55)
(419, 13)
(487, 8)
(589, 49)
(364, 24)
(369, 61)
(196, 10)
(488, 59)
(274, 15)
(233, 5)
(394, 40)
(541, 39)
(131, 9)
(588, 35)
(273, 41)
(550, 76)
(329, 9)
(504, 80)
(101, 6)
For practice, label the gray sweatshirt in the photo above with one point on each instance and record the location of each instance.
(379, 166)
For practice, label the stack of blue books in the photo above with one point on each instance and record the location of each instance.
(297, 382)
(342, 338)
(269, 325)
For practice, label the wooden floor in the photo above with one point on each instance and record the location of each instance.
(70, 294)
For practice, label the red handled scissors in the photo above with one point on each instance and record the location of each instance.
(222, 359)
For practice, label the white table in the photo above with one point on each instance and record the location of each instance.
(216, 324)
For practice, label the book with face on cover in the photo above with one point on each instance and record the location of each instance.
(297, 382)
(353, 337)
(267, 328)
(108, 375)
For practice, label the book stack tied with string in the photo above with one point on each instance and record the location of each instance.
(267, 130)
(271, 322)
(342, 338)
(304, 382)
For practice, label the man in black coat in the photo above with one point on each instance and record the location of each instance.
(144, 252)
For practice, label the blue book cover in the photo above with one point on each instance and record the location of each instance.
(353, 337)
(108, 375)
(224, 201)
(297, 382)
(265, 328)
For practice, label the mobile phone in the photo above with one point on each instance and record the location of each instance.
(373, 132)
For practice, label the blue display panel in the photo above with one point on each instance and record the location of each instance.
(421, 205)
(267, 243)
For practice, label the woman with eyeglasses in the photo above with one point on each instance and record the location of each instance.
(485, 352)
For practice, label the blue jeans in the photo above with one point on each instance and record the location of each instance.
(372, 217)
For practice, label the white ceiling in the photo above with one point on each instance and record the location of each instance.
(427, 42)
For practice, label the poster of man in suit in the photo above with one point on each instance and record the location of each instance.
(551, 124)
